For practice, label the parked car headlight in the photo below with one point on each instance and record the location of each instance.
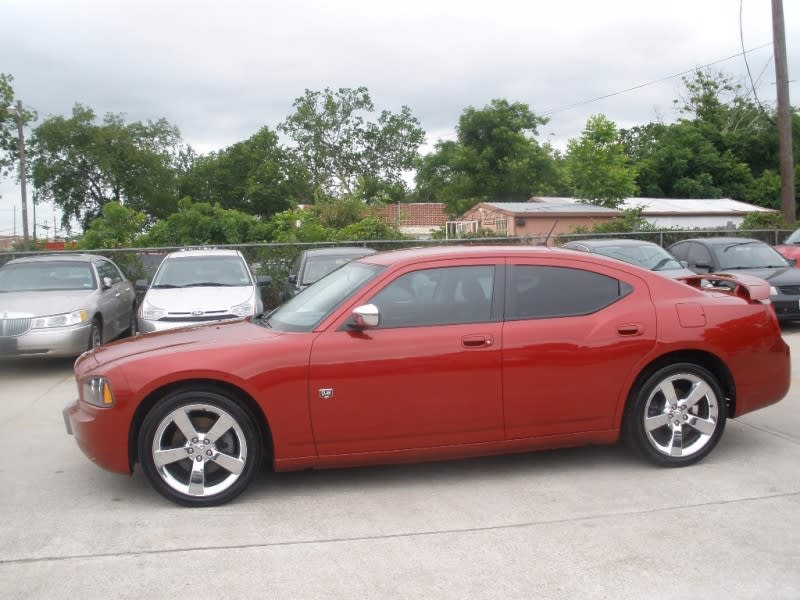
(152, 313)
(97, 391)
(773, 291)
(76, 317)
(244, 309)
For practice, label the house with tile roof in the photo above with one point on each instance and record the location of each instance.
(537, 220)
(417, 219)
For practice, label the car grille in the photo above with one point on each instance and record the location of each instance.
(790, 290)
(190, 318)
(14, 327)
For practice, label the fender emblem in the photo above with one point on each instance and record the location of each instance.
(326, 393)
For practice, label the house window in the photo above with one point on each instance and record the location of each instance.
(501, 225)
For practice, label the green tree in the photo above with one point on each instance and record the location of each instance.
(117, 227)
(256, 176)
(81, 165)
(495, 156)
(597, 166)
(339, 146)
(199, 223)
(9, 153)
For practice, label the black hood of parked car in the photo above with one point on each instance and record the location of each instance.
(775, 275)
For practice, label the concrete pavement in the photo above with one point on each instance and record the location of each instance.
(589, 522)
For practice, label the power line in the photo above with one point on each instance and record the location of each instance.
(553, 111)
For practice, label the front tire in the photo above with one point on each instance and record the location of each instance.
(95, 334)
(199, 447)
(677, 416)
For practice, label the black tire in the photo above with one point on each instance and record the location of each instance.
(95, 334)
(214, 469)
(132, 324)
(676, 416)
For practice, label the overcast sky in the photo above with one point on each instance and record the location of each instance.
(221, 70)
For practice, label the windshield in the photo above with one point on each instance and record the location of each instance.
(794, 238)
(191, 271)
(313, 304)
(749, 255)
(319, 266)
(47, 276)
(653, 258)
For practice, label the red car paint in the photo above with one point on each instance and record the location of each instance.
(427, 393)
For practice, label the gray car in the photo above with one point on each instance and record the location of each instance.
(62, 305)
(192, 287)
(647, 255)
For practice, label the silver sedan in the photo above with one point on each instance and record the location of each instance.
(62, 305)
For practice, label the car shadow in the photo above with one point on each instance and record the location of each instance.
(35, 366)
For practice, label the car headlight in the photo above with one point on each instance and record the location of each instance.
(244, 309)
(76, 317)
(152, 313)
(97, 391)
(773, 291)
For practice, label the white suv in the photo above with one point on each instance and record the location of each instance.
(197, 286)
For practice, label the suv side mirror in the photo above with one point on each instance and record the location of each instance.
(263, 280)
(141, 285)
(293, 279)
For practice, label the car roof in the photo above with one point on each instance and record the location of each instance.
(721, 241)
(601, 243)
(410, 255)
(89, 258)
(339, 251)
(195, 252)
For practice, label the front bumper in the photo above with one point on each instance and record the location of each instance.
(786, 307)
(100, 434)
(56, 341)
(145, 326)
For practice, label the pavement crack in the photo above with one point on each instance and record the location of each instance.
(388, 536)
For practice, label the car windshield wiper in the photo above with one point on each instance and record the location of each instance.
(210, 284)
(161, 286)
(264, 318)
(729, 246)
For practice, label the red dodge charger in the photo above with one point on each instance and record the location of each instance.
(436, 353)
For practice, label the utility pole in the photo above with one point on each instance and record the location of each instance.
(17, 110)
(788, 204)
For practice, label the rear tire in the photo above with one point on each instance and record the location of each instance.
(677, 416)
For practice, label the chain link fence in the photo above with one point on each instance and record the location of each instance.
(276, 259)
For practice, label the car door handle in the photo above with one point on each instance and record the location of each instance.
(476, 341)
(630, 329)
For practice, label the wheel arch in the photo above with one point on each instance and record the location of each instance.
(239, 395)
(702, 358)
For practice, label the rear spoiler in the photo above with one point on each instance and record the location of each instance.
(752, 289)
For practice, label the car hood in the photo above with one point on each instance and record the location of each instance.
(216, 335)
(37, 304)
(776, 276)
(198, 298)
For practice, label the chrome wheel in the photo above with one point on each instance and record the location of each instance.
(681, 415)
(676, 416)
(95, 335)
(199, 450)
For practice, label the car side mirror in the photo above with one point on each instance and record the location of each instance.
(106, 281)
(141, 285)
(366, 316)
(293, 279)
(263, 280)
(792, 262)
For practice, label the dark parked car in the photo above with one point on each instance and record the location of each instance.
(61, 305)
(313, 265)
(745, 255)
(647, 255)
(435, 353)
